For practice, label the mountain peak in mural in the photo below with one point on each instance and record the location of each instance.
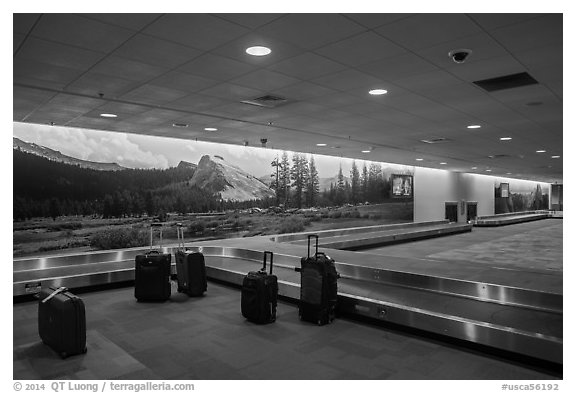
(231, 182)
(55, 155)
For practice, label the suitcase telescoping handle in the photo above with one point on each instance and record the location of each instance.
(309, 237)
(152, 226)
(271, 261)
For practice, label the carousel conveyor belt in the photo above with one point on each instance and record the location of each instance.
(522, 321)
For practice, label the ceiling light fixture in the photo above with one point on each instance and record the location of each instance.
(443, 163)
(505, 138)
(210, 129)
(474, 167)
(488, 170)
(555, 157)
(180, 125)
(258, 51)
(473, 126)
(110, 115)
(419, 159)
(365, 151)
(321, 144)
(540, 151)
(377, 92)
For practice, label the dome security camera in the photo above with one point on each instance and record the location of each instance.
(459, 55)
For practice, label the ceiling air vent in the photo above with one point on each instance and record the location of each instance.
(267, 101)
(506, 82)
(499, 156)
(435, 140)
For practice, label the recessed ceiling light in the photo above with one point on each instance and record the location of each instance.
(555, 157)
(258, 51)
(474, 167)
(540, 151)
(443, 163)
(321, 144)
(508, 173)
(488, 170)
(108, 115)
(419, 159)
(473, 126)
(210, 129)
(505, 138)
(180, 125)
(365, 151)
(378, 92)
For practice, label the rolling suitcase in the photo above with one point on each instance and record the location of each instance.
(152, 272)
(318, 287)
(190, 268)
(259, 296)
(62, 321)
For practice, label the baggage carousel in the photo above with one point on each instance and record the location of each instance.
(525, 320)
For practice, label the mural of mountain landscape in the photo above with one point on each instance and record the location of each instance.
(512, 196)
(95, 205)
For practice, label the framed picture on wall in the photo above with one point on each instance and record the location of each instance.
(402, 186)
(504, 190)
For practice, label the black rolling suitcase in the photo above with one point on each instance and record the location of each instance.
(152, 272)
(190, 268)
(318, 287)
(62, 321)
(260, 294)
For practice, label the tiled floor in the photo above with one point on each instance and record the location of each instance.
(207, 338)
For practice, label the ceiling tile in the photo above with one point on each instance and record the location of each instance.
(216, 67)
(304, 91)
(251, 21)
(134, 22)
(88, 33)
(44, 72)
(374, 20)
(425, 30)
(350, 79)
(437, 79)
(360, 49)
(196, 30)
(531, 33)
(152, 94)
(155, 51)
(307, 66)
(312, 30)
(58, 54)
(93, 83)
(232, 92)
(183, 81)
(398, 67)
(491, 21)
(265, 80)
(23, 23)
(128, 69)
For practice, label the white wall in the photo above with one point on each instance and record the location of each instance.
(434, 187)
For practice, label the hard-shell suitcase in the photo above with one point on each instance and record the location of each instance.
(318, 287)
(152, 272)
(190, 268)
(62, 321)
(259, 296)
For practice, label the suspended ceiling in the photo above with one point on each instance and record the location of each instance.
(174, 75)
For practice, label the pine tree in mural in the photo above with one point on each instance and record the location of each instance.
(299, 176)
(354, 184)
(284, 180)
(313, 185)
(364, 183)
(340, 188)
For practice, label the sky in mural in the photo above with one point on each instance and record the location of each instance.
(141, 151)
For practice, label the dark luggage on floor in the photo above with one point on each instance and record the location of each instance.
(62, 321)
(260, 294)
(318, 287)
(152, 272)
(190, 268)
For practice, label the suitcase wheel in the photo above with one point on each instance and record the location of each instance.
(63, 355)
(85, 350)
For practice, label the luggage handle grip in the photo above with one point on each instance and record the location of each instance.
(271, 261)
(309, 237)
(180, 235)
(152, 226)
(56, 292)
(153, 252)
